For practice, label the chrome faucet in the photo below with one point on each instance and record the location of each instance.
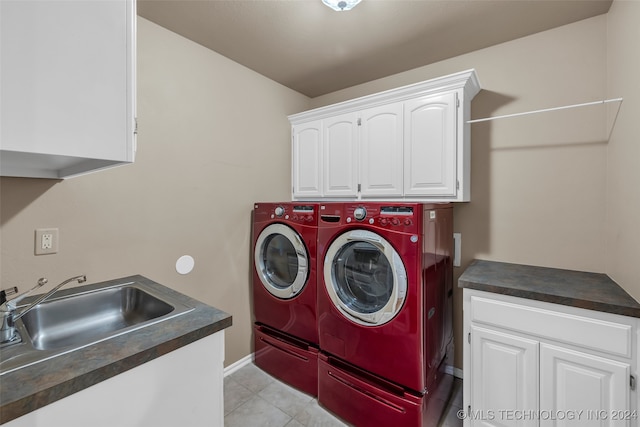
(8, 315)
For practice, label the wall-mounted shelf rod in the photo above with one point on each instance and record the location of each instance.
(486, 119)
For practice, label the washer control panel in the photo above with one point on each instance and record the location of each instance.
(360, 213)
(385, 216)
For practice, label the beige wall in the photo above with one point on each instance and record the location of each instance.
(213, 138)
(623, 150)
(538, 182)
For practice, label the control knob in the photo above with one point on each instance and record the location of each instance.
(279, 211)
(395, 221)
(360, 213)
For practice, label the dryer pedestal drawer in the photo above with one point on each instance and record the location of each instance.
(290, 360)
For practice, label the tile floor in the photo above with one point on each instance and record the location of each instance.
(254, 398)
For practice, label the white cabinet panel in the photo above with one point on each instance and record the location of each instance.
(68, 86)
(614, 337)
(307, 159)
(340, 156)
(381, 151)
(430, 150)
(409, 143)
(504, 376)
(576, 382)
(181, 388)
(580, 364)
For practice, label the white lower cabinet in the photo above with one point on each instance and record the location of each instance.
(504, 375)
(531, 363)
(181, 388)
(575, 381)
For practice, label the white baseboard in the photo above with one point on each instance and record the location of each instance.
(456, 372)
(238, 365)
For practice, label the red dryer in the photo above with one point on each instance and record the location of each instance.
(385, 284)
(284, 292)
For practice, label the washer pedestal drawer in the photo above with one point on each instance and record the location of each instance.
(362, 399)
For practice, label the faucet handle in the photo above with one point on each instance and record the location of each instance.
(6, 292)
(41, 282)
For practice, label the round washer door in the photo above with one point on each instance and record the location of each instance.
(365, 277)
(281, 261)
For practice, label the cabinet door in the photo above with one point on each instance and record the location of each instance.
(381, 151)
(430, 146)
(340, 145)
(307, 160)
(68, 95)
(504, 376)
(571, 381)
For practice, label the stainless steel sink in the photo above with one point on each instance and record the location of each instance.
(73, 321)
(85, 317)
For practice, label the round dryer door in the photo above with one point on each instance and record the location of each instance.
(365, 277)
(281, 261)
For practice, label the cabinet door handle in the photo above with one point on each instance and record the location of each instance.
(632, 382)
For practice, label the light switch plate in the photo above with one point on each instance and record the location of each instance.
(457, 249)
(46, 241)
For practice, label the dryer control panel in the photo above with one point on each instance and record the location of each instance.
(382, 215)
(397, 215)
(303, 213)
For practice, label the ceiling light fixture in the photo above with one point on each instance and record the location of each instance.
(341, 5)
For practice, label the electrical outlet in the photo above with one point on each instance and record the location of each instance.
(46, 241)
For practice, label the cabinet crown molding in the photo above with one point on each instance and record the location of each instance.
(466, 80)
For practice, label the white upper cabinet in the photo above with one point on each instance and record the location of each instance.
(307, 159)
(381, 151)
(340, 141)
(430, 166)
(68, 86)
(410, 143)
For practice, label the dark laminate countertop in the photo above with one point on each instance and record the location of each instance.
(35, 386)
(592, 291)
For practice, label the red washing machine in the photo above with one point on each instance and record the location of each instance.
(284, 292)
(385, 286)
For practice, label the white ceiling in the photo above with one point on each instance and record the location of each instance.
(314, 50)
